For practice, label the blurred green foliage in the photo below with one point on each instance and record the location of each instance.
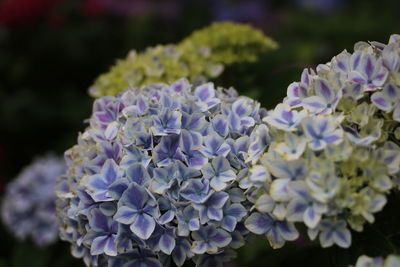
(46, 69)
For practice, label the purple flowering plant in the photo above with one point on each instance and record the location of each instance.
(330, 151)
(28, 207)
(155, 177)
(167, 173)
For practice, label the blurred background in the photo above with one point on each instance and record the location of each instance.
(52, 50)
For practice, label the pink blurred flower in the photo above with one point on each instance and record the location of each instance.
(23, 12)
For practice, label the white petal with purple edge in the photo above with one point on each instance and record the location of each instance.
(314, 104)
(143, 226)
(125, 215)
(98, 245)
(258, 223)
(111, 130)
(110, 248)
(311, 217)
(279, 191)
(357, 77)
(259, 174)
(382, 101)
(166, 244)
(199, 247)
(342, 237)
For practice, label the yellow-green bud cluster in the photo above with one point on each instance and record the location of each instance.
(200, 57)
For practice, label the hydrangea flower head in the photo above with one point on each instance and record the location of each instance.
(155, 177)
(330, 151)
(199, 57)
(28, 207)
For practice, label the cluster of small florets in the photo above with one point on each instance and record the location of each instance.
(156, 175)
(389, 261)
(329, 154)
(162, 63)
(200, 57)
(28, 207)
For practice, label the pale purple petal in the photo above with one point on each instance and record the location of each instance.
(110, 171)
(326, 239)
(333, 138)
(227, 176)
(237, 211)
(355, 60)
(116, 189)
(217, 184)
(229, 223)
(137, 173)
(98, 221)
(357, 77)
(279, 190)
(221, 238)
(194, 224)
(368, 65)
(287, 230)
(213, 102)
(275, 238)
(111, 131)
(167, 244)
(382, 101)
(241, 108)
(199, 247)
(179, 255)
(167, 217)
(314, 103)
(110, 248)
(205, 92)
(143, 226)
(293, 90)
(220, 125)
(198, 161)
(218, 199)
(247, 122)
(311, 217)
(323, 89)
(258, 223)
(380, 78)
(98, 245)
(135, 196)
(342, 237)
(223, 150)
(125, 215)
(295, 210)
(391, 91)
(215, 214)
(97, 187)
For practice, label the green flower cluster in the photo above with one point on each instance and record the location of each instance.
(199, 57)
(232, 43)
